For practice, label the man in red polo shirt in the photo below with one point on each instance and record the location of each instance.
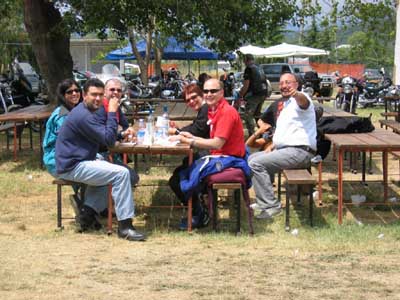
(226, 130)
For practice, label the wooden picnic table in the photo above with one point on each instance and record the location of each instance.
(32, 113)
(334, 112)
(379, 140)
(179, 149)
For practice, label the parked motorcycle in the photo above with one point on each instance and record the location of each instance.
(172, 85)
(348, 95)
(229, 83)
(373, 93)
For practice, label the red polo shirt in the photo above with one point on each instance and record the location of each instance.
(225, 123)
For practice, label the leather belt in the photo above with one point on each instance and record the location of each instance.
(303, 147)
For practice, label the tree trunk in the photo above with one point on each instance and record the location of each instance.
(50, 42)
(158, 53)
(143, 63)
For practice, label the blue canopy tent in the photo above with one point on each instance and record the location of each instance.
(173, 51)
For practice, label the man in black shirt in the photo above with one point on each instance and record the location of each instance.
(253, 92)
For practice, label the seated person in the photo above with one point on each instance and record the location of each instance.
(68, 96)
(261, 138)
(294, 144)
(226, 143)
(113, 88)
(77, 145)
(193, 96)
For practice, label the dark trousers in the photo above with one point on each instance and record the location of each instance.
(174, 183)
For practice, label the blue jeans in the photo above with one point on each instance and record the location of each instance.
(98, 174)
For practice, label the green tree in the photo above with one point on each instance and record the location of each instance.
(304, 10)
(311, 38)
(374, 43)
(14, 41)
(225, 24)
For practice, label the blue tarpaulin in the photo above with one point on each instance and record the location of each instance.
(173, 51)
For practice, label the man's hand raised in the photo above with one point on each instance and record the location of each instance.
(113, 104)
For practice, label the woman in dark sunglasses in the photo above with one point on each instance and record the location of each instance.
(193, 96)
(68, 96)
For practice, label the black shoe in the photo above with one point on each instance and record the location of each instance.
(199, 221)
(86, 220)
(128, 232)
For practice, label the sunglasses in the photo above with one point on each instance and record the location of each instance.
(212, 91)
(115, 90)
(192, 98)
(70, 92)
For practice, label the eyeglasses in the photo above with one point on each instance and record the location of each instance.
(70, 92)
(191, 98)
(115, 90)
(212, 91)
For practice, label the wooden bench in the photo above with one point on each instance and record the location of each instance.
(390, 114)
(60, 183)
(393, 124)
(297, 177)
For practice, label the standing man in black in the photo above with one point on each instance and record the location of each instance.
(253, 92)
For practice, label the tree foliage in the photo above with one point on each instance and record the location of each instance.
(226, 25)
(14, 41)
(373, 44)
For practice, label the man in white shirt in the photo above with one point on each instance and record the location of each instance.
(294, 144)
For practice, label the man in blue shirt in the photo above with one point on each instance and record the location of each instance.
(77, 145)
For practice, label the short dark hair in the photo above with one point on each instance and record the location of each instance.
(248, 57)
(63, 87)
(192, 88)
(93, 82)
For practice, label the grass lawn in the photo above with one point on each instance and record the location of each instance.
(358, 260)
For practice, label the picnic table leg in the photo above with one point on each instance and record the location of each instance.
(15, 141)
(190, 204)
(364, 154)
(385, 174)
(340, 186)
(110, 210)
(40, 143)
(320, 184)
(31, 138)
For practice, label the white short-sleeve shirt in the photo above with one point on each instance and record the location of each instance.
(296, 126)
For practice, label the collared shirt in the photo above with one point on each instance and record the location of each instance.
(296, 126)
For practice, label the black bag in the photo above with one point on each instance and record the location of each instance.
(339, 125)
(345, 125)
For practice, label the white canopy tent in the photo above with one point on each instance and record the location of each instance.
(282, 50)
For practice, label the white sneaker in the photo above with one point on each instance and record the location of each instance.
(255, 206)
(269, 213)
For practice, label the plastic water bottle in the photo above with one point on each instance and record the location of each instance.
(165, 121)
(148, 138)
(141, 132)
